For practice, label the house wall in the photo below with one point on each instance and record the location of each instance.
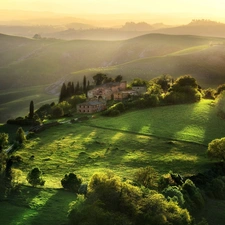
(139, 89)
(87, 108)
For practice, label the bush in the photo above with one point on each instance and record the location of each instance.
(184, 90)
(174, 193)
(57, 112)
(20, 135)
(220, 105)
(216, 149)
(114, 110)
(147, 176)
(218, 188)
(209, 93)
(3, 140)
(34, 177)
(111, 201)
(192, 195)
(71, 182)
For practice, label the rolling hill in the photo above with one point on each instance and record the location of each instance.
(30, 62)
(44, 62)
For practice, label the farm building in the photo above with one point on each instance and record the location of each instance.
(107, 90)
(91, 106)
(119, 96)
(139, 89)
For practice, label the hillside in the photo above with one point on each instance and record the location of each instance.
(35, 62)
(197, 27)
(166, 138)
(47, 63)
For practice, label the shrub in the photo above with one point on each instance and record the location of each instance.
(220, 105)
(184, 90)
(216, 149)
(71, 182)
(147, 176)
(34, 177)
(57, 112)
(20, 135)
(192, 195)
(174, 193)
(3, 140)
(114, 110)
(209, 93)
(218, 188)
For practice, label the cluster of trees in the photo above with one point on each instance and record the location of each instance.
(69, 90)
(101, 78)
(112, 201)
(163, 90)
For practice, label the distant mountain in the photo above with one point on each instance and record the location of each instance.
(197, 27)
(79, 26)
(131, 26)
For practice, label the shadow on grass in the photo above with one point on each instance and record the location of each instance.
(37, 206)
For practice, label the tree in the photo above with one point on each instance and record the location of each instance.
(77, 88)
(165, 81)
(31, 113)
(216, 149)
(220, 104)
(71, 182)
(139, 82)
(3, 140)
(99, 78)
(219, 89)
(37, 36)
(146, 176)
(63, 93)
(20, 135)
(34, 177)
(184, 90)
(84, 84)
(57, 111)
(118, 78)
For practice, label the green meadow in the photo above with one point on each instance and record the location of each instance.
(169, 138)
(15, 102)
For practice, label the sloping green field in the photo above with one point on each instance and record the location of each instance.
(15, 102)
(167, 138)
(196, 123)
(170, 137)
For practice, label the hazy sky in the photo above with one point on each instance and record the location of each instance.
(216, 7)
(206, 9)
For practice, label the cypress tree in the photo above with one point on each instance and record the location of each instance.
(63, 93)
(31, 114)
(69, 90)
(77, 89)
(73, 89)
(84, 84)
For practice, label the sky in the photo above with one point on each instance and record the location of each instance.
(212, 9)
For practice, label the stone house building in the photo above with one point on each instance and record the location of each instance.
(107, 90)
(91, 106)
(139, 89)
(98, 96)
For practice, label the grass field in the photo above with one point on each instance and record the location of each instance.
(15, 102)
(167, 138)
(127, 142)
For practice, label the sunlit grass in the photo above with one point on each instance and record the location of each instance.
(190, 122)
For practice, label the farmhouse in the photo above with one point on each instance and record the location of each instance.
(91, 106)
(98, 96)
(119, 96)
(139, 89)
(107, 90)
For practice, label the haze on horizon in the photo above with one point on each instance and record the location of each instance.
(166, 11)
